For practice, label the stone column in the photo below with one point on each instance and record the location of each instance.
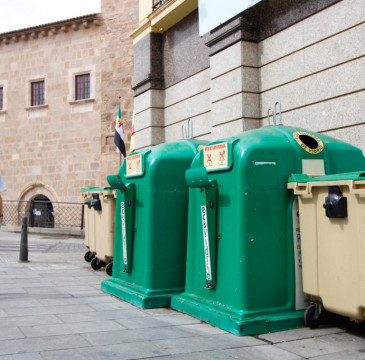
(119, 19)
(235, 61)
(234, 77)
(148, 91)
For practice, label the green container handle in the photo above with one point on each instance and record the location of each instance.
(116, 182)
(197, 177)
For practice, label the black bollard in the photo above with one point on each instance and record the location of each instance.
(23, 254)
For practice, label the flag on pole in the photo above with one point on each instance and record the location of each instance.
(132, 136)
(119, 135)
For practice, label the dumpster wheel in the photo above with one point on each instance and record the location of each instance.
(313, 315)
(89, 256)
(97, 264)
(109, 269)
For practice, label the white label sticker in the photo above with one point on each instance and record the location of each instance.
(124, 238)
(314, 167)
(208, 271)
(258, 163)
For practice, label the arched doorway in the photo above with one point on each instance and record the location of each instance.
(35, 202)
(41, 212)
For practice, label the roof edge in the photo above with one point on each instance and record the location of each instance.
(53, 24)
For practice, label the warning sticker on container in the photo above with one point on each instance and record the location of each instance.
(134, 165)
(124, 237)
(208, 271)
(216, 157)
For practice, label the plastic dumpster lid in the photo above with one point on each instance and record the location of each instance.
(303, 178)
(302, 184)
(96, 188)
(90, 188)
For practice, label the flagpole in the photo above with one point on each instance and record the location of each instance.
(120, 154)
(131, 145)
(119, 134)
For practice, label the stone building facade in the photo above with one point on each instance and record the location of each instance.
(57, 148)
(308, 55)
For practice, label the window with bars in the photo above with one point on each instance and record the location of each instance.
(1, 98)
(37, 93)
(82, 87)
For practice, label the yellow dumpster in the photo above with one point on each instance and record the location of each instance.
(89, 218)
(99, 226)
(332, 225)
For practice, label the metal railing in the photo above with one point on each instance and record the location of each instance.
(157, 3)
(62, 215)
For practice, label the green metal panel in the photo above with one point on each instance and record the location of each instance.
(253, 289)
(152, 201)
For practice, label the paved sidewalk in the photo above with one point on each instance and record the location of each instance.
(52, 308)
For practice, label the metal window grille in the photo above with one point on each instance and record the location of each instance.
(157, 3)
(1, 98)
(82, 83)
(61, 215)
(37, 96)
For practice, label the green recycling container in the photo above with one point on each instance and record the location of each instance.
(243, 269)
(151, 224)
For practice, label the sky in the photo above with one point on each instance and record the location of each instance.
(21, 14)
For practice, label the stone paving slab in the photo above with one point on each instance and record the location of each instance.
(347, 355)
(70, 328)
(296, 334)
(308, 348)
(346, 341)
(206, 343)
(117, 351)
(53, 308)
(262, 352)
(30, 320)
(40, 344)
(25, 356)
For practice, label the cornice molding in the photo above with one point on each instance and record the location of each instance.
(51, 29)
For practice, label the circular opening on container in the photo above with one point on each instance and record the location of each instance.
(309, 141)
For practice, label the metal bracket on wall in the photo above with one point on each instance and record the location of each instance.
(187, 131)
(273, 114)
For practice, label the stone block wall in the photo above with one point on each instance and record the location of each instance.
(307, 55)
(66, 145)
(50, 148)
(316, 69)
(235, 89)
(120, 18)
(188, 101)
